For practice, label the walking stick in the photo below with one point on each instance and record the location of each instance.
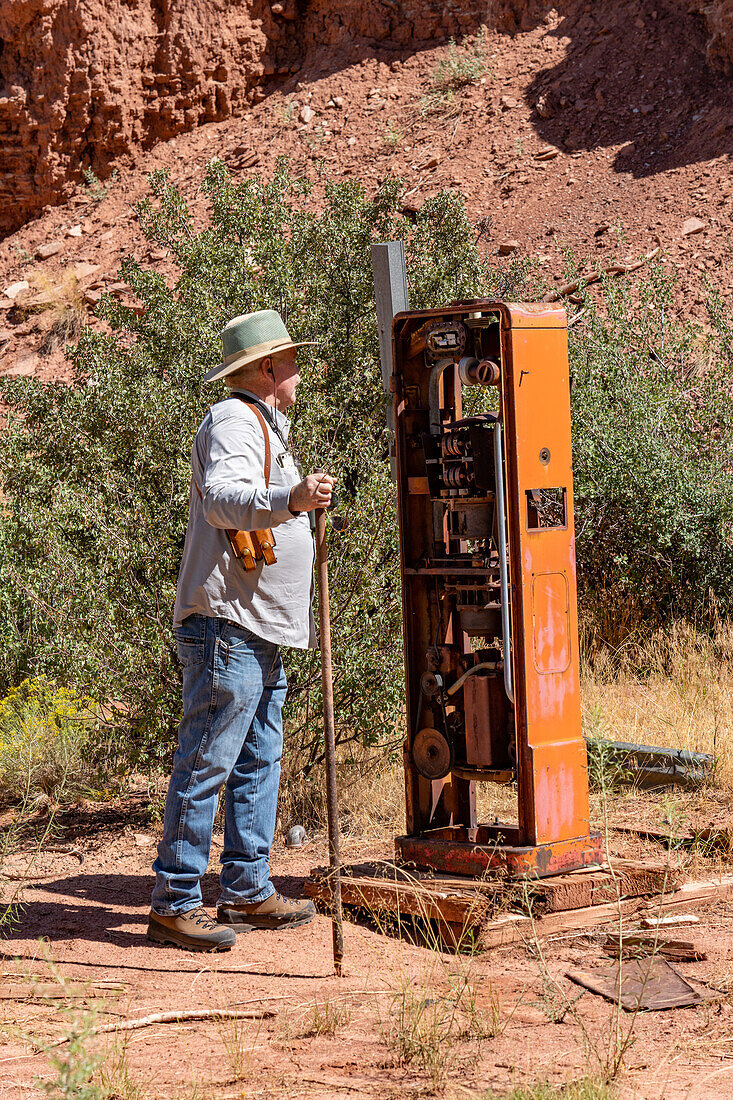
(329, 736)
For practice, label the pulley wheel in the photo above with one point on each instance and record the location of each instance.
(431, 754)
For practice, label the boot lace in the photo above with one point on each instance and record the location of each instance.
(200, 916)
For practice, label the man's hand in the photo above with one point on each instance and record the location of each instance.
(314, 491)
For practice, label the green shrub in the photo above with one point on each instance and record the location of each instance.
(95, 473)
(652, 458)
(462, 65)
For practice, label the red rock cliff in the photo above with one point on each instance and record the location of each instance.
(85, 81)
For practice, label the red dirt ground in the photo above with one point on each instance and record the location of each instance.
(92, 921)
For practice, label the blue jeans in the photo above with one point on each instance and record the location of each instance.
(233, 691)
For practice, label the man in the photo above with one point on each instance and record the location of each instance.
(229, 625)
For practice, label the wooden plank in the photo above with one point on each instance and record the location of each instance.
(392, 897)
(465, 903)
(636, 944)
(522, 928)
(574, 891)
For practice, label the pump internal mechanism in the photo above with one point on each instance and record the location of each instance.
(485, 515)
(464, 701)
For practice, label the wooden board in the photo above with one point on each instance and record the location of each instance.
(649, 983)
(651, 942)
(517, 927)
(493, 910)
(458, 905)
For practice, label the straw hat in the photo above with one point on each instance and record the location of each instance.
(251, 337)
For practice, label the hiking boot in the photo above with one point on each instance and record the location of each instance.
(274, 912)
(195, 930)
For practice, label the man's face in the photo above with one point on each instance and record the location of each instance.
(286, 376)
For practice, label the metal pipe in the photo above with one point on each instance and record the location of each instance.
(434, 394)
(471, 672)
(329, 737)
(506, 632)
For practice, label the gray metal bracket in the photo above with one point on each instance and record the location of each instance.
(390, 297)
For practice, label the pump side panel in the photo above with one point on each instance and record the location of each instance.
(536, 398)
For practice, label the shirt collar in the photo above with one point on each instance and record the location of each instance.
(280, 418)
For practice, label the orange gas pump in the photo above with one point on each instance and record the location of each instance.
(485, 506)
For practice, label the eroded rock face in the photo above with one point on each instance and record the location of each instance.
(85, 81)
(719, 18)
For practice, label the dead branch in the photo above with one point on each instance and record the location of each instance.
(177, 1017)
(614, 269)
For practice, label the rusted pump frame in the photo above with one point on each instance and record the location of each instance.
(552, 834)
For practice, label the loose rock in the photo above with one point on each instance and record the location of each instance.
(75, 231)
(692, 225)
(84, 270)
(306, 114)
(51, 248)
(507, 247)
(15, 289)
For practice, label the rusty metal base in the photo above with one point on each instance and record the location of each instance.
(463, 851)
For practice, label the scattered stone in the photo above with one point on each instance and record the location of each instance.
(277, 9)
(689, 226)
(647, 108)
(508, 102)
(75, 231)
(83, 270)
(15, 289)
(351, 141)
(431, 162)
(143, 840)
(543, 108)
(108, 235)
(306, 114)
(548, 153)
(24, 368)
(43, 300)
(507, 247)
(51, 248)
(603, 228)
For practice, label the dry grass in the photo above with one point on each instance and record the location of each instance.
(371, 796)
(672, 689)
(65, 303)
(437, 1021)
(588, 1088)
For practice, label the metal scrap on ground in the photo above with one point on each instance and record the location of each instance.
(649, 983)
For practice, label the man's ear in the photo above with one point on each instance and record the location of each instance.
(267, 368)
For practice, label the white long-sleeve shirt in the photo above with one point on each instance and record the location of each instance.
(227, 462)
